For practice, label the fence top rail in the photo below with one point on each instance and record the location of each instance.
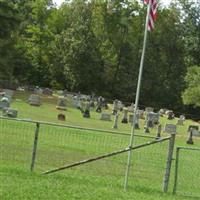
(114, 153)
(75, 127)
(188, 148)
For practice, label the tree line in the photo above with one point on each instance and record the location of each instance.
(95, 46)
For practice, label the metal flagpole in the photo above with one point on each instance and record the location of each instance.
(137, 96)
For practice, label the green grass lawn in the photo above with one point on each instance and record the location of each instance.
(98, 180)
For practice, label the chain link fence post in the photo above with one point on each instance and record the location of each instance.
(176, 170)
(35, 146)
(169, 162)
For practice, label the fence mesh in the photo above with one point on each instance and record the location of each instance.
(188, 182)
(58, 146)
(16, 141)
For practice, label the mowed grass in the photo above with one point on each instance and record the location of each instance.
(98, 180)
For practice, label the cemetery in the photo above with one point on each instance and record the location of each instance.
(148, 123)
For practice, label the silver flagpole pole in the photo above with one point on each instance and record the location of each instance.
(137, 96)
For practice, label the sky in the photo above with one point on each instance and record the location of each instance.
(58, 2)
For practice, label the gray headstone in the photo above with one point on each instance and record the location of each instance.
(149, 119)
(170, 128)
(131, 108)
(38, 90)
(195, 127)
(47, 91)
(115, 106)
(115, 126)
(195, 130)
(86, 112)
(61, 104)
(4, 104)
(162, 112)
(106, 116)
(125, 115)
(156, 117)
(9, 112)
(34, 100)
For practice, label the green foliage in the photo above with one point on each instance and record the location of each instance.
(95, 46)
(192, 93)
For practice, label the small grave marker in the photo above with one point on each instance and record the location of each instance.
(9, 112)
(61, 104)
(105, 116)
(170, 128)
(34, 100)
(61, 117)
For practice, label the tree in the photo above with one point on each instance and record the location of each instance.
(38, 38)
(9, 20)
(191, 94)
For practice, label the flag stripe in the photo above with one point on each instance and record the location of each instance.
(152, 14)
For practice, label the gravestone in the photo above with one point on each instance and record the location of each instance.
(115, 107)
(148, 122)
(105, 116)
(159, 129)
(4, 104)
(61, 104)
(86, 112)
(190, 139)
(162, 112)
(141, 114)
(170, 128)
(136, 120)
(149, 119)
(131, 108)
(120, 106)
(92, 104)
(115, 126)
(156, 117)
(47, 91)
(182, 117)
(38, 90)
(9, 112)
(61, 117)
(195, 130)
(170, 114)
(34, 100)
(125, 115)
(99, 104)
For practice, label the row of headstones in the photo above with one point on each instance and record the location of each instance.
(117, 105)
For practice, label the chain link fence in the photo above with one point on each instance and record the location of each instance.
(59, 145)
(187, 172)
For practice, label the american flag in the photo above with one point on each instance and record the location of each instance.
(152, 14)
